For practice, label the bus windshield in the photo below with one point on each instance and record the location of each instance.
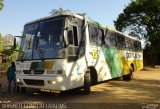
(42, 40)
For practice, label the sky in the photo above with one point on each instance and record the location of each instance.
(18, 12)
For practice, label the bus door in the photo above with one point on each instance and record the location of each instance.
(72, 36)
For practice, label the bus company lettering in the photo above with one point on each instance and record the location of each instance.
(133, 55)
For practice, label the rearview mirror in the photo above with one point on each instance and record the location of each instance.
(15, 41)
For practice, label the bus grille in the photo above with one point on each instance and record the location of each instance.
(35, 71)
(34, 82)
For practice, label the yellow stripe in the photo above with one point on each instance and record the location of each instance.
(125, 64)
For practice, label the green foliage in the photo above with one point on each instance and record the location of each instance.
(1, 4)
(142, 18)
(59, 11)
(8, 51)
(1, 43)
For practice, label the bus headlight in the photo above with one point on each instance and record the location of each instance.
(18, 80)
(52, 82)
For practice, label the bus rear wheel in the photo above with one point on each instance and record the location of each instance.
(129, 76)
(87, 83)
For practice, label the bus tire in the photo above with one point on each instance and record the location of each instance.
(126, 77)
(129, 76)
(17, 88)
(94, 76)
(23, 90)
(87, 83)
(131, 71)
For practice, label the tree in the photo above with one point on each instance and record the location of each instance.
(1, 4)
(59, 11)
(141, 18)
(8, 49)
(0, 43)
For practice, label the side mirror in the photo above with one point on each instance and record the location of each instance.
(64, 44)
(15, 41)
(14, 44)
(66, 28)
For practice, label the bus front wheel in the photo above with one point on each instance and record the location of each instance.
(21, 89)
(87, 83)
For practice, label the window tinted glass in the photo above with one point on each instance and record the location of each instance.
(93, 33)
(29, 35)
(70, 35)
(50, 33)
(120, 41)
(137, 46)
(110, 39)
(73, 35)
(100, 36)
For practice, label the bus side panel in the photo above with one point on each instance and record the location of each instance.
(124, 63)
(75, 71)
(139, 65)
(111, 57)
(102, 68)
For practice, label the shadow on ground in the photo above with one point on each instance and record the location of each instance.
(138, 90)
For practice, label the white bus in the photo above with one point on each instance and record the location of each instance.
(67, 51)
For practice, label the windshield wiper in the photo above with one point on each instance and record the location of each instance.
(41, 50)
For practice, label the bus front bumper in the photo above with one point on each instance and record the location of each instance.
(56, 83)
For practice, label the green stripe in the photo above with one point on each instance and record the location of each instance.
(111, 57)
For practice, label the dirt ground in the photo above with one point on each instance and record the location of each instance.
(142, 92)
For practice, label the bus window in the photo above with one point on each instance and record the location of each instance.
(139, 46)
(129, 44)
(100, 37)
(135, 45)
(73, 36)
(70, 37)
(93, 34)
(113, 40)
(121, 42)
(110, 39)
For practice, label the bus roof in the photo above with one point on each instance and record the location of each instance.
(114, 30)
(82, 16)
(57, 15)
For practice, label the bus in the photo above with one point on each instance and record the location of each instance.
(67, 51)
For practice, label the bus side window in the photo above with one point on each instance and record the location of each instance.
(135, 46)
(139, 46)
(100, 37)
(93, 34)
(113, 40)
(107, 38)
(121, 42)
(110, 39)
(73, 36)
(129, 44)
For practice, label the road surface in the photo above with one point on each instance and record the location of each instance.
(142, 92)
